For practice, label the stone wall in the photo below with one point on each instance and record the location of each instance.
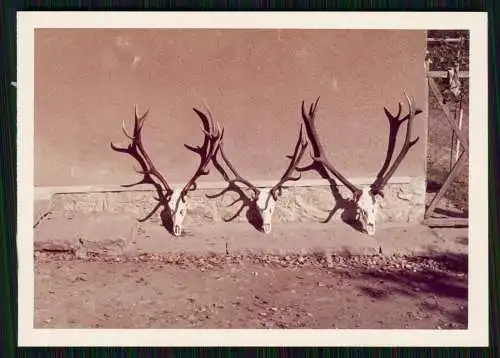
(403, 203)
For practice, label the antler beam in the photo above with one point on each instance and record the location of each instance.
(136, 150)
(319, 156)
(365, 197)
(295, 159)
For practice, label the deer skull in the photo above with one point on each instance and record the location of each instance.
(366, 198)
(263, 201)
(367, 210)
(177, 209)
(265, 206)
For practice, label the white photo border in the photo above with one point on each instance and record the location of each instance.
(478, 329)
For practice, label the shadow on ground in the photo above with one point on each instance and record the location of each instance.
(446, 278)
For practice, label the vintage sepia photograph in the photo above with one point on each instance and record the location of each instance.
(273, 179)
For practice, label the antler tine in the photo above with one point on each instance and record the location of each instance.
(295, 159)
(213, 125)
(400, 108)
(150, 168)
(395, 123)
(124, 129)
(136, 150)
(138, 123)
(139, 120)
(319, 155)
(207, 151)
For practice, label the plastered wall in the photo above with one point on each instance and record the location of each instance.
(88, 80)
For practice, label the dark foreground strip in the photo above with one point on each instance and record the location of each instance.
(456, 263)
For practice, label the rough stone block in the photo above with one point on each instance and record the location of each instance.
(403, 203)
(41, 209)
(99, 233)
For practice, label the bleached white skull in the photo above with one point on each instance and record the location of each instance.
(367, 210)
(265, 206)
(177, 210)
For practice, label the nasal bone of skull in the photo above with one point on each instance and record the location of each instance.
(267, 227)
(178, 219)
(266, 216)
(370, 227)
(369, 219)
(178, 212)
(264, 205)
(177, 230)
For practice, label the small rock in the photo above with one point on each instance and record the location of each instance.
(263, 314)
(192, 318)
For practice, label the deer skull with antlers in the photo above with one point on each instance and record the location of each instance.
(263, 200)
(366, 198)
(172, 199)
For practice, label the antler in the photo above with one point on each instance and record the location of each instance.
(233, 182)
(136, 150)
(207, 151)
(319, 155)
(395, 122)
(295, 159)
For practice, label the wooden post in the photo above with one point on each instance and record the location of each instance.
(452, 161)
(460, 119)
(451, 175)
(435, 90)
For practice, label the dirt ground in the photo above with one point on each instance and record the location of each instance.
(251, 292)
